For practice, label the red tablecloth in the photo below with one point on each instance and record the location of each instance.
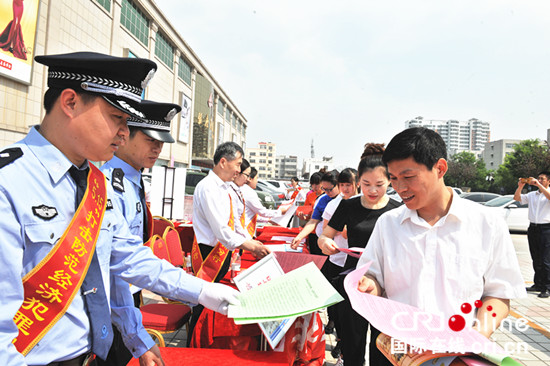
(217, 357)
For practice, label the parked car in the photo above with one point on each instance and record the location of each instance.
(280, 189)
(278, 197)
(279, 184)
(266, 199)
(192, 178)
(515, 213)
(479, 197)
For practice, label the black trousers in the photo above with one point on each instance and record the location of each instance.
(118, 355)
(354, 334)
(197, 310)
(539, 247)
(331, 272)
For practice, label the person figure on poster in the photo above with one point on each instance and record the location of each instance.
(61, 238)
(538, 233)
(123, 171)
(11, 38)
(439, 251)
(358, 216)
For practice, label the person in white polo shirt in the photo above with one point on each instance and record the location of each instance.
(439, 251)
(538, 233)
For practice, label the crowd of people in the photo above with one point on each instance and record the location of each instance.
(72, 234)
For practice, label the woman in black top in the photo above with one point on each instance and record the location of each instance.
(359, 215)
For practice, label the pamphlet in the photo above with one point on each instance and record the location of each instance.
(261, 272)
(296, 293)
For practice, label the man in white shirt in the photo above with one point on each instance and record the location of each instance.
(538, 232)
(439, 251)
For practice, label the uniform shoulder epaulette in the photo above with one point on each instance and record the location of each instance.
(118, 179)
(10, 155)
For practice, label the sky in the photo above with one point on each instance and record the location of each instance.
(344, 73)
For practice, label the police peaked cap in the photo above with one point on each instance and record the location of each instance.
(119, 80)
(156, 123)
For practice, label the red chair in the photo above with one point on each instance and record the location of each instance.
(173, 243)
(164, 317)
(160, 224)
(159, 247)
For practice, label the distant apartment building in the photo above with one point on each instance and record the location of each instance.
(471, 135)
(286, 166)
(313, 165)
(495, 151)
(263, 159)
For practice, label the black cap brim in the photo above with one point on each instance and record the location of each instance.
(163, 136)
(125, 105)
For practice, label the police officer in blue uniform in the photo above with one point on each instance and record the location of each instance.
(90, 97)
(123, 172)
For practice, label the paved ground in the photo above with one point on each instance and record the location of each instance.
(532, 311)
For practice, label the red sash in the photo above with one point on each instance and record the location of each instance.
(295, 193)
(50, 287)
(209, 268)
(251, 228)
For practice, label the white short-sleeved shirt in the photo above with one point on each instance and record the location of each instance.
(339, 258)
(539, 207)
(467, 255)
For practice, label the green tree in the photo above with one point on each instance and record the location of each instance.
(528, 159)
(467, 171)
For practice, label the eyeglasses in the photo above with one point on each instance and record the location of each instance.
(327, 189)
(246, 175)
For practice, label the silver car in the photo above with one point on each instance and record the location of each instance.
(515, 213)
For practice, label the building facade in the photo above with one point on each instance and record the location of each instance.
(286, 166)
(263, 159)
(471, 135)
(313, 165)
(495, 151)
(126, 28)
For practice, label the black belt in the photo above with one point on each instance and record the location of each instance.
(540, 225)
(82, 360)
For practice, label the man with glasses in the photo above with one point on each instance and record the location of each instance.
(538, 233)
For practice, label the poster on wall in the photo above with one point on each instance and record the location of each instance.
(185, 118)
(18, 21)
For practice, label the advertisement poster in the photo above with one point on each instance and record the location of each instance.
(18, 19)
(185, 117)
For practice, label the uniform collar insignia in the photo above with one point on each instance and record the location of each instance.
(118, 179)
(44, 212)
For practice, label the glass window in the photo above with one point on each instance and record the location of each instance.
(106, 4)
(184, 70)
(164, 50)
(135, 21)
(221, 106)
(227, 114)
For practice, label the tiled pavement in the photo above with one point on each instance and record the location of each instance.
(532, 311)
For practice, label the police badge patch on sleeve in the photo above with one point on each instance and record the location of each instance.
(118, 179)
(109, 205)
(44, 212)
(9, 155)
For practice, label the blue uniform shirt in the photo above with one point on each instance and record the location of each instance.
(128, 201)
(40, 177)
(320, 207)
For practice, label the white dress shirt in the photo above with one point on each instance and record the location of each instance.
(339, 258)
(539, 207)
(467, 255)
(211, 208)
(254, 206)
(238, 207)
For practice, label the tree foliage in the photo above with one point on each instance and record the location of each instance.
(467, 171)
(529, 158)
